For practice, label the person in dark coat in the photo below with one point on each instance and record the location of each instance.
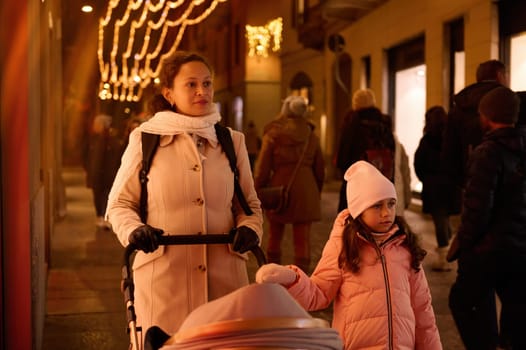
(463, 130)
(105, 150)
(491, 240)
(364, 126)
(284, 140)
(435, 196)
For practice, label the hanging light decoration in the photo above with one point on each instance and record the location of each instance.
(262, 38)
(134, 37)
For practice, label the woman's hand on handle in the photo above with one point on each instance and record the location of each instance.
(245, 239)
(145, 238)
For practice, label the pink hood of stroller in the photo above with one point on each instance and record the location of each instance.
(258, 315)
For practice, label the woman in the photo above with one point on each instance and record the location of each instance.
(105, 149)
(367, 135)
(190, 191)
(437, 199)
(286, 141)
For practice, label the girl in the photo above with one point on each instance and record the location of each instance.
(371, 268)
(190, 191)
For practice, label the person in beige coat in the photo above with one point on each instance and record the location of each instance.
(190, 191)
(284, 140)
(402, 178)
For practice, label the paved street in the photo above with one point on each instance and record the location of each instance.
(85, 308)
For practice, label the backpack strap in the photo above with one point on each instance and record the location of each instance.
(150, 142)
(225, 139)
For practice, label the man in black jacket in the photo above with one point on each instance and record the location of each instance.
(463, 131)
(491, 247)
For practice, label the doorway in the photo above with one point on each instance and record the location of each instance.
(407, 96)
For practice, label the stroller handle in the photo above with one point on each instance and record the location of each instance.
(221, 238)
(127, 285)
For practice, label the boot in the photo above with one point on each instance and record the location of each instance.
(441, 264)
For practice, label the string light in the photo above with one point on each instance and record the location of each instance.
(260, 37)
(126, 66)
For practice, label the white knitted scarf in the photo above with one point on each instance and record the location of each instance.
(162, 123)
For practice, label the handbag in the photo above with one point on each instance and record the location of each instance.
(276, 198)
(273, 198)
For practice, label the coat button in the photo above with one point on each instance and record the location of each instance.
(202, 268)
(196, 167)
(199, 201)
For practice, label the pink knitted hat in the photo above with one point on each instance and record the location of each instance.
(365, 186)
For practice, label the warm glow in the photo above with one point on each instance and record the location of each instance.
(128, 65)
(261, 39)
(410, 108)
(518, 62)
(87, 9)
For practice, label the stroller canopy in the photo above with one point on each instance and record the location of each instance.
(258, 316)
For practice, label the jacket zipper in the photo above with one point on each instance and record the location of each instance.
(388, 299)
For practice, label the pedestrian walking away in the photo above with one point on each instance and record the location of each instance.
(491, 241)
(105, 147)
(436, 200)
(366, 135)
(291, 157)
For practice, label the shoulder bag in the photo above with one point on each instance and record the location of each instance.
(276, 198)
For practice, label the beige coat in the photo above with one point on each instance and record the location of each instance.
(189, 192)
(402, 178)
(283, 144)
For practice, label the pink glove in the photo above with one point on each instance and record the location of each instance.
(274, 273)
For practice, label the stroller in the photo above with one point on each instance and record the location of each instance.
(257, 316)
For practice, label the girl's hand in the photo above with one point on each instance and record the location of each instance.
(274, 273)
(341, 218)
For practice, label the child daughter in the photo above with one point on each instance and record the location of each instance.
(371, 268)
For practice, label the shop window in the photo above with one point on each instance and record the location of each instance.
(518, 62)
(407, 95)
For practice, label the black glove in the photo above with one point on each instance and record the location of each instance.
(145, 238)
(245, 239)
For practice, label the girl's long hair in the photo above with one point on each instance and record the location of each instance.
(350, 255)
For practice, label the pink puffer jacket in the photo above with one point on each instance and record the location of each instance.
(386, 305)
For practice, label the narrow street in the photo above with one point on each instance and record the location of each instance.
(85, 308)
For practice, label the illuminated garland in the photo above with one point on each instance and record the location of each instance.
(259, 38)
(130, 66)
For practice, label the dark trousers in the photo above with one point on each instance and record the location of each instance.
(472, 302)
(511, 289)
(442, 226)
(473, 306)
(100, 199)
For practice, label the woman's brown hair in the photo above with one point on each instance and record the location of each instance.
(350, 255)
(171, 66)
